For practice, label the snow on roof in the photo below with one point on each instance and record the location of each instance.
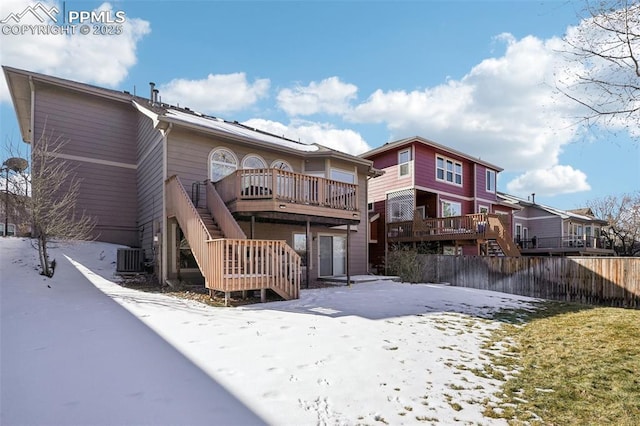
(237, 130)
(564, 214)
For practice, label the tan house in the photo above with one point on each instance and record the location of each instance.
(203, 198)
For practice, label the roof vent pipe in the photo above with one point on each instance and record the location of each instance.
(533, 197)
(152, 88)
(155, 96)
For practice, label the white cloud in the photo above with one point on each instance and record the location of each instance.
(505, 110)
(555, 180)
(99, 59)
(218, 93)
(330, 95)
(344, 140)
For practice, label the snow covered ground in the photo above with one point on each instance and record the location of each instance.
(79, 349)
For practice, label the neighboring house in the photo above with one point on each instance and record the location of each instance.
(202, 196)
(431, 193)
(542, 230)
(17, 222)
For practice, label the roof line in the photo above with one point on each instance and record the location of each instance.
(393, 144)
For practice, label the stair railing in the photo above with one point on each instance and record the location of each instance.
(221, 214)
(233, 264)
(179, 205)
(498, 231)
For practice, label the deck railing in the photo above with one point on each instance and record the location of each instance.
(234, 264)
(255, 264)
(572, 241)
(289, 187)
(467, 227)
(221, 214)
(179, 205)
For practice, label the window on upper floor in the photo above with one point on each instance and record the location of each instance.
(253, 161)
(281, 165)
(491, 181)
(404, 158)
(343, 176)
(222, 162)
(448, 170)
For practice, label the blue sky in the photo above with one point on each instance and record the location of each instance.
(474, 75)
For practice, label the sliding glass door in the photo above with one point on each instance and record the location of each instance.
(332, 251)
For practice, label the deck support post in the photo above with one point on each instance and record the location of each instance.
(252, 232)
(226, 298)
(347, 254)
(263, 295)
(308, 250)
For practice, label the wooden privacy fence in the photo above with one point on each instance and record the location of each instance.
(591, 280)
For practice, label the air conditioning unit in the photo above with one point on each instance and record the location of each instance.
(130, 260)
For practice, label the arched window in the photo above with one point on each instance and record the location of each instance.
(252, 161)
(281, 165)
(222, 162)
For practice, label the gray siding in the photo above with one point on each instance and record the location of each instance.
(540, 223)
(150, 180)
(188, 155)
(188, 158)
(357, 257)
(103, 133)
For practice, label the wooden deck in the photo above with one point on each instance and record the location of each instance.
(234, 264)
(278, 193)
(480, 226)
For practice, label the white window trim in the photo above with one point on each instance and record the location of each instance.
(482, 206)
(250, 156)
(444, 174)
(494, 181)
(210, 160)
(459, 204)
(346, 172)
(407, 163)
(288, 169)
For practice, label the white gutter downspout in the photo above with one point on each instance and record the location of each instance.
(164, 267)
(32, 120)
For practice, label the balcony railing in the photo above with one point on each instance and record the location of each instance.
(288, 187)
(564, 242)
(469, 227)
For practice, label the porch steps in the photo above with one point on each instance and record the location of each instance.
(209, 223)
(494, 249)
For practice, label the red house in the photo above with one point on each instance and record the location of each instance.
(435, 194)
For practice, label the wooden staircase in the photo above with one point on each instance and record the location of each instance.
(214, 230)
(494, 249)
(498, 236)
(226, 258)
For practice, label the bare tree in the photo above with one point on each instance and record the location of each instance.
(623, 216)
(52, 205)
(605, 78)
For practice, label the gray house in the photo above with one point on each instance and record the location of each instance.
(204, 198)
(542, 230)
